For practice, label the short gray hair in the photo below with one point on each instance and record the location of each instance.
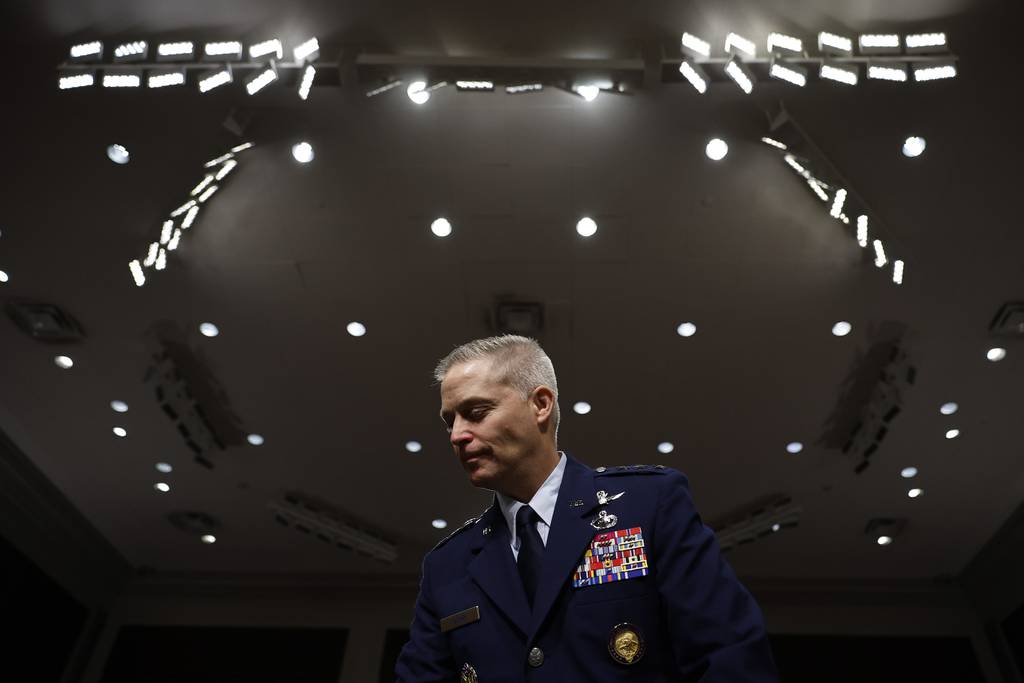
(519, 362)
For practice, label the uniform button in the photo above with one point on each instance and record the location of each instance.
(536, 657)
(600, 469)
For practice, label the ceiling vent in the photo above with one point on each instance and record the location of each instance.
(1009, 321)
(45, 322)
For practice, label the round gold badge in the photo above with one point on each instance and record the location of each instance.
(626, 644)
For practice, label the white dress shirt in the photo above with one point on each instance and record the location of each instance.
(543, 503)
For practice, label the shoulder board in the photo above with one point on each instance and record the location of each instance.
(465, 525)
(632, 469)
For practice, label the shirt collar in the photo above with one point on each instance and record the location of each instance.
(543, 502)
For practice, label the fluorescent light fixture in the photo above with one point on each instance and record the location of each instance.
(739, 73)
(833, 44)
(308, 50)
(897, 272)
(218, 161)
(879, 43)
(796, 166)
(136, 269)
(307, 81)
(773, 143)
(154, 251)
(242, 147)
(173, 243)
(161, 78)
(837, 203)
(69, 80)
(189, 218)
(207, 193)
(780, 41)
(520, 88)
(214, 79)
(934, 72)
(87, 52)
(880, 259)
(171, 52)
(797, 75)
(161, 259)
(417, 92)
(228, 167)
(862, 231)
(383, 89)
(925, 42)
(695, 46)
(261, 79)
(475, 86)
(136, 51)
(840, 73)
(587, 91)
(896, 73)
(816, 185)
(122, 79)
(183, 208)
(226, 50)
(265, 48)
(165, 232)
(697, 77)
(736, 44)
(203, 184)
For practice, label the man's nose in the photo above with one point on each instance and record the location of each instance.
(459, 434)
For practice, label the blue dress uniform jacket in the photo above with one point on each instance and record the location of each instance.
(695, 621)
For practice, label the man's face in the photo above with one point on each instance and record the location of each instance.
(491, 426)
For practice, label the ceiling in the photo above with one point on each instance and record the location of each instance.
(288, 254)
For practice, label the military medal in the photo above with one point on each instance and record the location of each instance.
(604, 520)
(603, 498)
(468, 674)
(615, 555)
(626, 644)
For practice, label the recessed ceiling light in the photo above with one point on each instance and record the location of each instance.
(913, 146)
(776, 527)
(120, 431)
(841, 328)
(118, 154)
(3, 276)
(119, 406)
(162, 487)
(665, 447)
(208, 329)
(588, 92)
(441, 227)
(63, 362)
(164, 467)
(356, 329)
(255, 439)
(996, 354)
(581, 407)
(952, 433)
(303, 152)
(716, 149)
(439, 523)
(949, 408)
(417, 92)
(794, 447)
(914, 493)
(586, 226)
(208, 538)
(908, 472)
(413, 446)
(686, 330)
(884, 540)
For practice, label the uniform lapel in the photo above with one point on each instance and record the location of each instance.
(568, 538)
(494, 568)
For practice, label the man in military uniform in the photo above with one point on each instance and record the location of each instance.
(572, 574)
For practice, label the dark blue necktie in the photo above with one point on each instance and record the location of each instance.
(531, 550)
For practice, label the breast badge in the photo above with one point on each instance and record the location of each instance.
(626, 644)
(604, 520)
(468, 674)
(612, 556)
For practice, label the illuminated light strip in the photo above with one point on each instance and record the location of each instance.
(164, 80)
(228, 166)
(242, 147)
(189, 218)
(383, 89)
(815, 185)
(93, 49)
(695, 45)
(203, 184)
(790, 74)
(879, 254)
(897, 272)
(228, 48)
(880, 40)
(781, 40)
(934, 73)
(307, 82)
(307, 49)
(474, 85)
(214, 80)
(736, 72)
(154, 249)
(136, 268)
(862, 231)
(887, 73)
(791, 160)
(122, 81)
(735, 42)
(165, 232)
(261, 80)
(523, 87)
(77, 81)
(916, 41)
(837, 204)
(218, 161)
(183, 208)
(267, 47)
(209, 193)
(161, 260)
(173, 243)
(839, 74)
(695, 75)
(773, 143)
(125, 50)
(830, 42)
(181, 49)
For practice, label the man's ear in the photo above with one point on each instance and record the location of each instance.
(542, 400)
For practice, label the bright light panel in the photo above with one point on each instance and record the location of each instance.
(127, 51)
(475, 85)
(180, 49)
(82, 80)
(862, 231)
(207, 193)
(740, 75)
(122, 81)
(154, 251)
(231, 48)
(84, 50)
(218, 161)
(161, 259)
(780, 41)
(934, 73)
(789, 73)
(203, 184)
(242, 147)
(818, 189)
(834, 44)
(162, 80)
(879, 41)
(695, 75)
(136, 269)
(839, 73)
(189, 218)
(214, 79)
(887, 73)
(307, 50)
(267, 47)
(880, 260)
(523, 87)
(261, 80)
(736, 43)
(837, 203)
(173, 244)
(183, 208)
(696, 46)
(228, 166)
(165, 232)
(897, 272)
(773, 143)
(919, 41)
(307, 81)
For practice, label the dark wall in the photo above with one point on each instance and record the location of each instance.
(42, 622)
(206, 654)
(1013, 632)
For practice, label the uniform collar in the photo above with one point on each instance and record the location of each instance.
(543, 502)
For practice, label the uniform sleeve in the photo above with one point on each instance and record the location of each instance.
(715, 626)
(426, 658)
